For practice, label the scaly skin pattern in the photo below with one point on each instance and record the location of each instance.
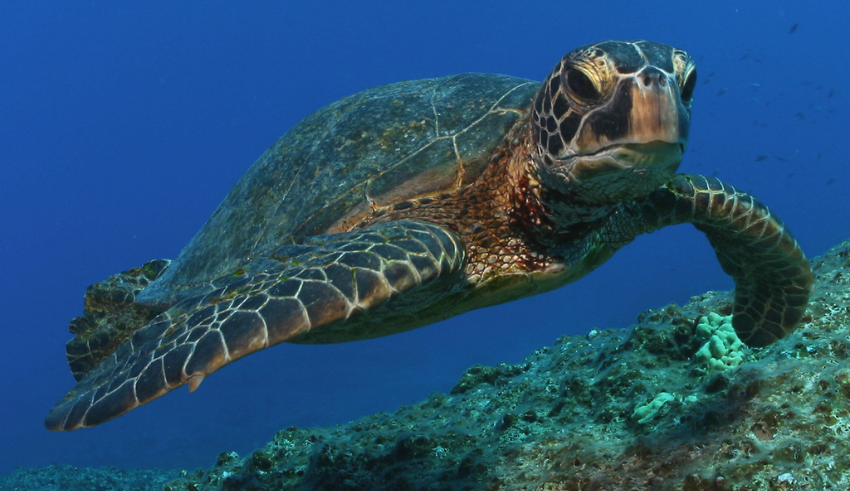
(773, 279)
(293, 293)
(588, 166)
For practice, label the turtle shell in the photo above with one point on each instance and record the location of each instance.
(373, 149)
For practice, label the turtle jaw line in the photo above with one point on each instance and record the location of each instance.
(586, 186)
(649, 146)
(652, 157)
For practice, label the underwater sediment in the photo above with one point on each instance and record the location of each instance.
(674, 402)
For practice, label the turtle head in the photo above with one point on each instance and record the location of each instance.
(611, 121)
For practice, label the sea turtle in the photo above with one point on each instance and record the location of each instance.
(410, 203)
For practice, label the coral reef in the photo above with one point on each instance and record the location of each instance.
(674, 402)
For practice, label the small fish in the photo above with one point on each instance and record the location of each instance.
(819, 156)
(800, 116)
(721, 91)
(754, 85)
(831, 93)
(781, 159)
(761, 157)
(793, 28)
(830, 181)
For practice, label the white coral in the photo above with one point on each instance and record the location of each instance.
(723, 349)
(645, 413)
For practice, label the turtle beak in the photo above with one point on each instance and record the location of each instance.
(643, 127)
(657, 112)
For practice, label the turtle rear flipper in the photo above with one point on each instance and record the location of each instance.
(773, 278)
(110, 316)
(302, 293)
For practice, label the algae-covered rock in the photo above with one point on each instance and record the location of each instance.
(669, 403)
(69, 478)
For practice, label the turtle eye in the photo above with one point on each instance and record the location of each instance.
(688, 87)
(581, 86)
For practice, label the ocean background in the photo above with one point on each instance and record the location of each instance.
(124, 124)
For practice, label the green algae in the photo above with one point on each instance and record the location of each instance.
(66, 477)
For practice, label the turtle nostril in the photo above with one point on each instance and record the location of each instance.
(653, 76)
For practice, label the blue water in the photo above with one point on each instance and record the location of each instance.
(123, 124)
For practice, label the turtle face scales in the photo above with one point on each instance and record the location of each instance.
(610, 123)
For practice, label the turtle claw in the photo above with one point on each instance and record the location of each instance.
(195, 382)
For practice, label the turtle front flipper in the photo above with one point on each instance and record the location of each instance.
(772, 276)
(315, 292)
